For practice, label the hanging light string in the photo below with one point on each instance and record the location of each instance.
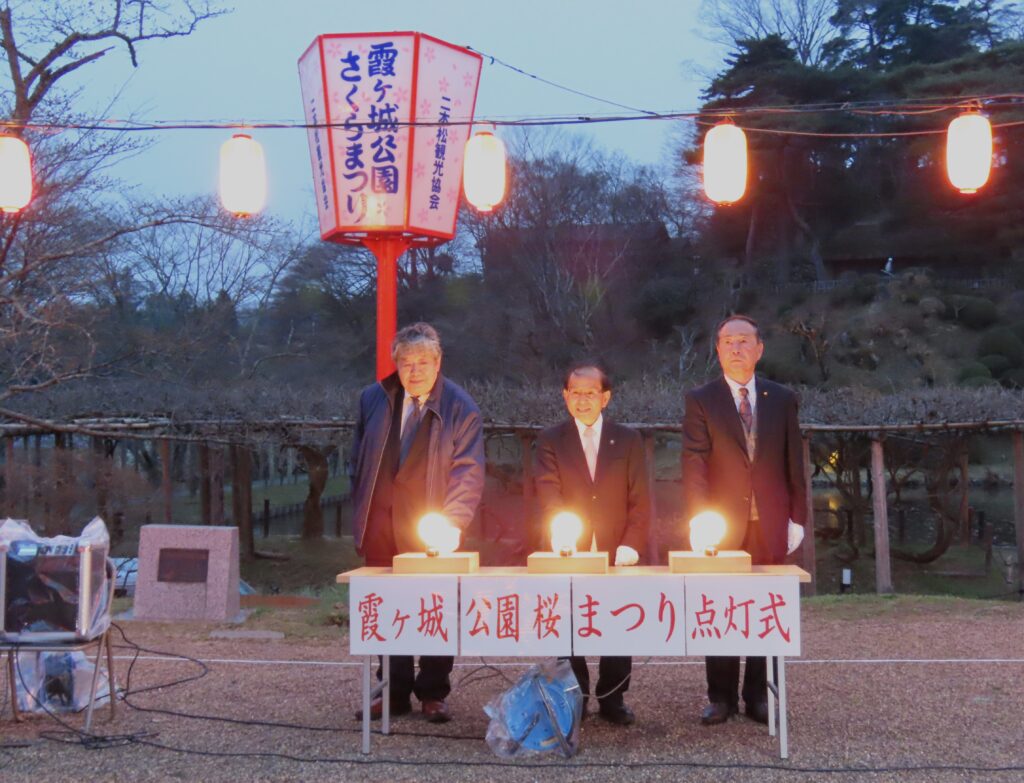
(496, 61)
(875, 108)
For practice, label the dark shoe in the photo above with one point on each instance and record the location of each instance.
(619, 714)
(716, 712)
(377, 709)
(757, 710)
(436, 711)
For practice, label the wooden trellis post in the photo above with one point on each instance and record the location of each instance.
(652, 553)
(1018, 503)
(883, 565)
(810, 564)
(165, 480)
(526, 458)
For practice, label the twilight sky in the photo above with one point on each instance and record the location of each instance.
(242, 67)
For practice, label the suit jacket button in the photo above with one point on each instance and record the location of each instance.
(593, 497)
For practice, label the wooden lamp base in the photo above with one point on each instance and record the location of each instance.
(419, 563)
(579, 563)
(728, 561)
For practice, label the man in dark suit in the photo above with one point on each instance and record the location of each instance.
(742, 457)
(418, 448)
(597, 469)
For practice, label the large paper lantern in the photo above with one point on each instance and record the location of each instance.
(725, 163)
(484, 176)
(15, 174)
(389, 117)
(969, 151)
(243, 175)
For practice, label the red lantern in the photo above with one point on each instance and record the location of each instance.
(389, 117)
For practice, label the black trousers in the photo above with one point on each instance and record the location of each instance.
(433, 681)
(723, 672)
(613, 673)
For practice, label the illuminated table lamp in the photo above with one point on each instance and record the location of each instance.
(564, 558)
(707, 529)
(441, 539)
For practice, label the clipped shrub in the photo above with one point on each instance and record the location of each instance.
(931, 307)
(974, 312)
(746, 299)
(996, 363)
(786, 371)
(973, 370)
(974, 383)
(1003, 342)
(1018, 329)
(1014, 378)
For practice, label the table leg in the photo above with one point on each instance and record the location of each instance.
(367, 664)
(110, 678)
(772, 686)
(11, 674)
(783, 707)
(385, 720)
(95, 682)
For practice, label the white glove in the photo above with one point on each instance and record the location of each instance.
(795, 536)
(626, 556)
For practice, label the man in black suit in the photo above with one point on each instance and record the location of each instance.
(597, 469)
(742, 457)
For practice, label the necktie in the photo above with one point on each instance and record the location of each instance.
(590, 449)
(412, 423)
(746, 414)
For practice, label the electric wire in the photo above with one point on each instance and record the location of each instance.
(72, 735)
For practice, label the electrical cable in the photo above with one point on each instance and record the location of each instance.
(863, 108)
(71, 735)
(496, 61)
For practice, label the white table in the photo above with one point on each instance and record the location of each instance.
(638, 611)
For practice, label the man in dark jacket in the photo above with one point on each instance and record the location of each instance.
(742, 457)
(418, 448)
(597, 469)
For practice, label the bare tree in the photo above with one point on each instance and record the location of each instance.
(804, 24)
(74, 219)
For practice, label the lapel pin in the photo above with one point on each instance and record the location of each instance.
(611, 443)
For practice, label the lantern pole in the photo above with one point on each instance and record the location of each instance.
(387, 249)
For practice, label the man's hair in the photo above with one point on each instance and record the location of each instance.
(738, 317)
(417, 335)
(582, 366)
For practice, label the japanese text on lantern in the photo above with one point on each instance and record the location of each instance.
(440, 151)
(321, 172)
(355, 168)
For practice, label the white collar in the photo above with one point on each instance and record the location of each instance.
(750, 386)
(580, 427)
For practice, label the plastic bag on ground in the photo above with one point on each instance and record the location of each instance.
(539, 714)
(56, 681)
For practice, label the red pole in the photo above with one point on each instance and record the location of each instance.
(387, 250)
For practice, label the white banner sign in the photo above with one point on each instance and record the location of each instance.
(628, 615)
(753, 615)
(404, 615)
(515, 616)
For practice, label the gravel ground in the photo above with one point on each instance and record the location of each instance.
(910, 689)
